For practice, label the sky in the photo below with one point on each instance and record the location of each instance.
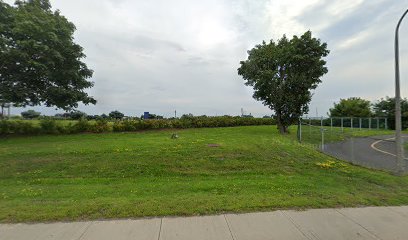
(160, 56)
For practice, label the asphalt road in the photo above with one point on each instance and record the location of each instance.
(374, 152)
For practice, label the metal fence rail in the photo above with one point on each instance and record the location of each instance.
(361, 141)
(319, 130)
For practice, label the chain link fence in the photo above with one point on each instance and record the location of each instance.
(320, 131)
(362, 141)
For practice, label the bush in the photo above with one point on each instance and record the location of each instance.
(18, 127)
(81, 126)
(49, 126)
(16, 117)
(30, 114)
(77, 115)
(100, 126)
(116, 115)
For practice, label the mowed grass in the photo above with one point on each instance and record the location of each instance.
(129, 175)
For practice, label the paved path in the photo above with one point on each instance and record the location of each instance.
(347, 223)
(374, 152)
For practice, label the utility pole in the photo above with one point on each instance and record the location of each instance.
(398, 138)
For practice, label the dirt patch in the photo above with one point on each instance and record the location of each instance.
(213, 145)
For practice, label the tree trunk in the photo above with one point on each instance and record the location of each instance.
(282, 128)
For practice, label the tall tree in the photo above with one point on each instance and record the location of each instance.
(39, 61)
(116, 115)
(283, 73)
(386, 108)
(30, 114)
(351, 107)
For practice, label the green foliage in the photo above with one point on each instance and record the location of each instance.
(81, 126)
(116, 115)
(282, 74)
(16, 117)
(351, 107)
(100, 126)
(49, 125)
(18, 127)
(40, 63)
(76, 115)
(189, 122)
(30, 114)
(386, 108)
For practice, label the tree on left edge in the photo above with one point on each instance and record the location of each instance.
(39, 61)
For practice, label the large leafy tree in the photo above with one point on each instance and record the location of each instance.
(116, 115)
(30, 114)
(351, 107)
(283, 73)
(39, 61)
(385, 107)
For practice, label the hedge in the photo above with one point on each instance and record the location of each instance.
(51, 126)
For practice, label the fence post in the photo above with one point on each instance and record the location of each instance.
(300, 130)
(360, 123)
(351, 123)
(386, 124)
(321, 129)
(341, 124)
(331, 123)
(378, 123)
(321, 121)
(369, 124)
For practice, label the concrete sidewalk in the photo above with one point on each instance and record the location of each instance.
(347, 223)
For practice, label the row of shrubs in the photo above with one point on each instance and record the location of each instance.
(51, 126)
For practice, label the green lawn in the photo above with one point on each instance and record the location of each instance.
(122, 175)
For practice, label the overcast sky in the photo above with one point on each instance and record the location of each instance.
(160, 55)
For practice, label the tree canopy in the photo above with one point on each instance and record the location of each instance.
(351, 107)
(385, 107)
(283, 73)
(39, 61)
(116, 115)
(30, 114)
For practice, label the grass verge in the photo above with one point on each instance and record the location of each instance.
(204, 171)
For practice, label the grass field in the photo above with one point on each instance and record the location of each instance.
(204, 171)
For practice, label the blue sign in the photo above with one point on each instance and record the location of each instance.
(146, 115)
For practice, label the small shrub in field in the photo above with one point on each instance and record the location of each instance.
(49, 126)
(126, 126)
(101, 126)
(81, 126)
(117, 126)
